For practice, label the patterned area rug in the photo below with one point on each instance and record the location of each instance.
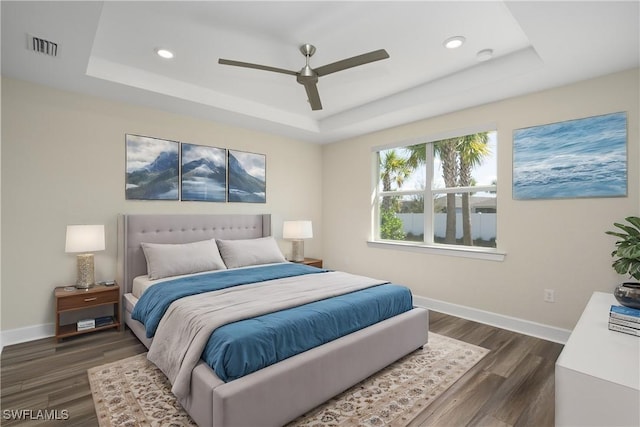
(133, 392)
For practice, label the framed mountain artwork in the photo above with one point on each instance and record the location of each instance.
(247, 177)
(204, 173)
(152, 166)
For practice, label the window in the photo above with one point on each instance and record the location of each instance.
(438, 193)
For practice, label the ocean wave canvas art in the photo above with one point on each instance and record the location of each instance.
(576, 158)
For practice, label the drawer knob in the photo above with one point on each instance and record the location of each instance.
(90, 299)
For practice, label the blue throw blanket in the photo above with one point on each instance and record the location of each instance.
(240, 348)
(155, 300)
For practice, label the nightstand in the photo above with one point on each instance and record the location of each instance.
(79, 299)
(313, 262)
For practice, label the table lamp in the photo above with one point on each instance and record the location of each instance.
(296, 231)
(82, 239)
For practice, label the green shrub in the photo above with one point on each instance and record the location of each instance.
(390, 226)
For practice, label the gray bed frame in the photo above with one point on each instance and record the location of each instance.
(279, 393)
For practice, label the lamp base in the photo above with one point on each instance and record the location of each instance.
(86, 275)
(297, 250)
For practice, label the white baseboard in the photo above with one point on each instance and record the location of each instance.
(538, 330)
(29, 333)
(526, 327)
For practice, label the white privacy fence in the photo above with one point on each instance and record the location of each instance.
(483, 225)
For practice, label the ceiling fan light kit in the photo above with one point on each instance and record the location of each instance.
(307, 76)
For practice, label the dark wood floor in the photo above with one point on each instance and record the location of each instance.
(512, 386)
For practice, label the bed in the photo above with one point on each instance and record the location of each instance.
(278, 393)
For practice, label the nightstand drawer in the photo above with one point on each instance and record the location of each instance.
(313, 262)
(89, 299)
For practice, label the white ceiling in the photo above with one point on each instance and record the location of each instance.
(107, 49)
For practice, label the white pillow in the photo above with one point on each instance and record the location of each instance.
(165, 260)
(241, 253)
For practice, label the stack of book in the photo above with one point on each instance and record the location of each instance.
(104, 321)
(624, 319)
(98, 322)
(85, 324)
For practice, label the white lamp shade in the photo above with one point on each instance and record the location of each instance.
(297, 230)
(84, 238)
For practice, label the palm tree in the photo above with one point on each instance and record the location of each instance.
(458, 156)
(447, 150)
(393, 168)
(417, 155)
(471, 149)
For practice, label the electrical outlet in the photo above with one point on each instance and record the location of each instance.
(549, 295)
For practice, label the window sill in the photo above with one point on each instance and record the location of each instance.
(457, 251)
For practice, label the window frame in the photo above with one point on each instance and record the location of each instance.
(428, 245)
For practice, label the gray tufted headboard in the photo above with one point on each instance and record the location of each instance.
(135, 229)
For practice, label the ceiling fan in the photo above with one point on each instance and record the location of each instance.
(307, 76)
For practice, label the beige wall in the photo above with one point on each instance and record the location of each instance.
(557, 244)
(63, 162)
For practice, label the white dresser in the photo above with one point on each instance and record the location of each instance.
(598, 372)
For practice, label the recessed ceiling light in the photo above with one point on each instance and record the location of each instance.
(454, 42)
(164, 53)
(484, 55)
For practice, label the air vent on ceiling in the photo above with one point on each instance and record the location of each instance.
(41, 45)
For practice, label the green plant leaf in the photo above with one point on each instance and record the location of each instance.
(627, 247)
(621, 266)
(613, 233)
(629, 252)
(629, 243)
(634, 220)
(631, 231)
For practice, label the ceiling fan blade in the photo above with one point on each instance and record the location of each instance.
(313, 95)
(354, 61)
(256, 66)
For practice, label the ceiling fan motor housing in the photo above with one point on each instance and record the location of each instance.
(307, 74)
